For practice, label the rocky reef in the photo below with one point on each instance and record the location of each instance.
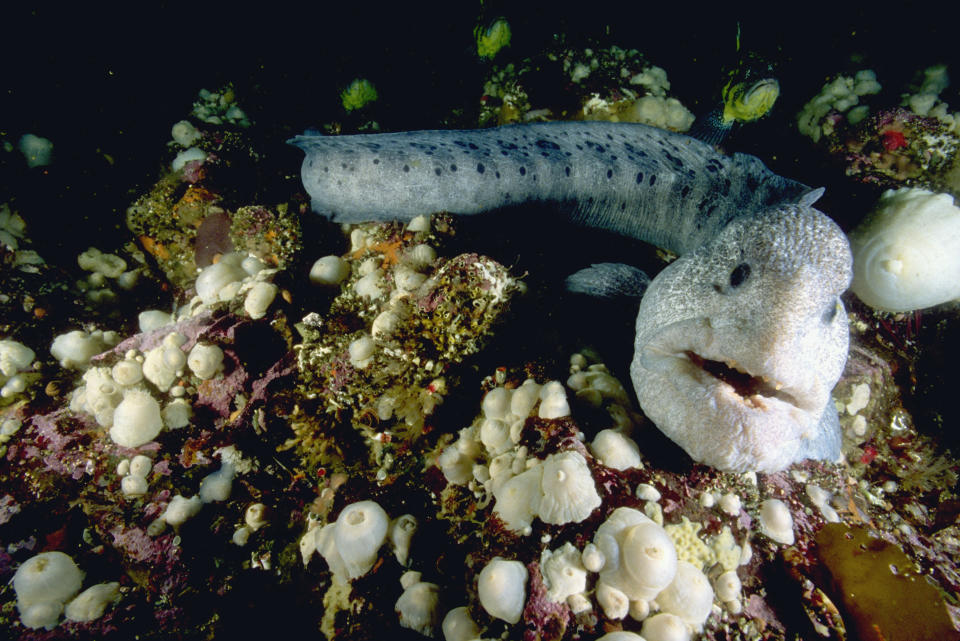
(242, 419)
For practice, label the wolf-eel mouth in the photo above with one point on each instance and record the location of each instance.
(745, 384)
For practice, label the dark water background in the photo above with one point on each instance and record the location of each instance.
(104, 82)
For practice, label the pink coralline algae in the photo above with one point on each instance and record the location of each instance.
(140, 547)
(543, 619)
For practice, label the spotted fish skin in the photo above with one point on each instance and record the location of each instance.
(639, 181)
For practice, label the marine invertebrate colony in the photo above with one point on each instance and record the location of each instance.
(724, 330)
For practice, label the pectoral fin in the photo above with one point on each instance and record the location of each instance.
(610, 281)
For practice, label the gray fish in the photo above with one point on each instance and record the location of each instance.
(739, 342)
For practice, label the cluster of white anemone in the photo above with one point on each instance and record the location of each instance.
(234, 276)
(118, 399)
(15, 359)
(840, 95)
(559, 489)
(75, 348)
(105, 272)
(371, 284)
(488, 458)
(46, 586)
(638, 574)
(351, 544)
(133, 475)
(592, 383)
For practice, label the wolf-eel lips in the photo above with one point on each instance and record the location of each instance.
(745, 384)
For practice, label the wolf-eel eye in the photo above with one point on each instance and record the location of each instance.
(739, 275)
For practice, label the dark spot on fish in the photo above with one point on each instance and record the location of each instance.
(505, 153)
(480, 168)
(523, 171)
(685, 191)
(752, 183)
(613, 158)
(639, 177)
(546, 144)
(437, 171)
(609, 173)
(653, 179)
(623, 206)
(609, 137)
(739, 275)
(453, 167)
(343, 165)
(673, 159)
(326, 170)
(376, 161)
(566, 170)
(497, 174)
(472, 146)
(406, 167)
